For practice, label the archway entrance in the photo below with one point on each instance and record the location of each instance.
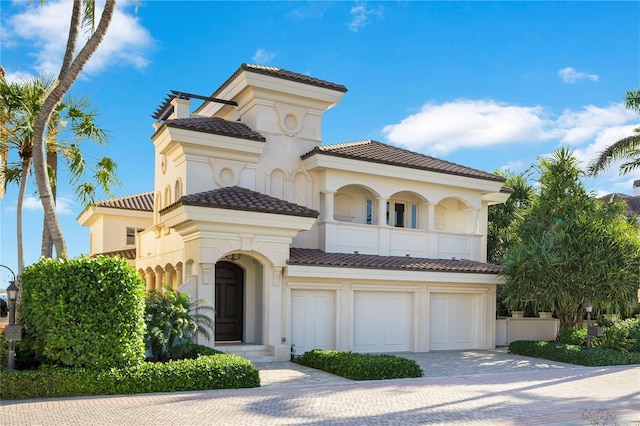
(229, 302)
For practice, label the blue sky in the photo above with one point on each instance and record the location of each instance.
(485, 84)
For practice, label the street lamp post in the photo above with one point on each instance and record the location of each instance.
(12, 331)
(588, 308)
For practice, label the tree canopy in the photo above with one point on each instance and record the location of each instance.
(571, 248)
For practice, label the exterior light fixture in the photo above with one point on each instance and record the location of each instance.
(12, 331)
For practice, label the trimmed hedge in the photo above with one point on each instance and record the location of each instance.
(358, 366)
(84, 312)
(220, 371)
(573, 354)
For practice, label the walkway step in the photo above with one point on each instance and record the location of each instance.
(254, 353)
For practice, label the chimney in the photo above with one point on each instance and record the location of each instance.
(181, 108)
(636, 188)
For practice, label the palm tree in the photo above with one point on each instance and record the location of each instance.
(83, 15)
(20, 104)
(627, 149)
(173, 321)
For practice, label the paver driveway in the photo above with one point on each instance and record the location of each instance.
(470, 388)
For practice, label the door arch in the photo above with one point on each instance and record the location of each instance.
(229, 302)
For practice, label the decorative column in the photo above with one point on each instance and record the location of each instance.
(382, 211)
(328, 205)
(476, 221)
(431, 216)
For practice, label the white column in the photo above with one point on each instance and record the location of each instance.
(431, 216)
(328, 205)
(476, 221)
(382, 211)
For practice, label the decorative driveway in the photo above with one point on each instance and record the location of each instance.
(459, 388)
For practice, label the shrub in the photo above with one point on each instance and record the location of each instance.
(173, 320)
(84, 312)
(220, 371)
(573, 336)
(573, 354)
(358, 366)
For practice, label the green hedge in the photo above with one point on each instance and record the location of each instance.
(84, 312)
(573, 354)
(220, 371)
(358, 366)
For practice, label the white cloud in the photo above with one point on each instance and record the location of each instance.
(263, 57)
(46, 26)
(441, 129)
(360, 15)
(571, 75)
(63, 205)
(444, 128)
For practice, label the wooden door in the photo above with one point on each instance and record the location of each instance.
(229, 301)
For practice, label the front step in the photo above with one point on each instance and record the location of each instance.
(254, 353)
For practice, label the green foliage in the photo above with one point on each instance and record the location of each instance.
(573, 354)
(573, 337)
(173, 320)
(571, 248)
(503, 216)
(84, 312)
(626, 149)
(617, 336)
(221, 371)
(358, 366)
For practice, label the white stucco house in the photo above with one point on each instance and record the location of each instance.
(357, 246)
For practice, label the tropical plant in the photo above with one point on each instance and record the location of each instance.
(572, 248)
(503, 216)
(75, 58)
(627, 148)
(72, 122)
(173, 321)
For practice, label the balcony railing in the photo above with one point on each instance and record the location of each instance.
(339, 237)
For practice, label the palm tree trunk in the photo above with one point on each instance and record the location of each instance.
(26, 165)
(66, 79)
(52, 165)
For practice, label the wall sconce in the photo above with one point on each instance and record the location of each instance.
(233, 257)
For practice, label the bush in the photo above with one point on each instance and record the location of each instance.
(173, 320)
(573, 354)
(220, 371)
(573, 337)
(358, 366)
(84, 312)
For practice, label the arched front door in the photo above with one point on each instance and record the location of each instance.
(229, 301)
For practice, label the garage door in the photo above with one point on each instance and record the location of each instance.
(453, 321)
(382, 322)
(312, 316)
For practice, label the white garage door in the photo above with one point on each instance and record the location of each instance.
(312, 316)
(453, 321)
(382, 322)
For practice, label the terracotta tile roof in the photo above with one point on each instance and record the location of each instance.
(237, 198)
(215, 125)
(633, 203)
(378, 152)
(142, 202)
(126, 253)
(283, 74)
(314, 257)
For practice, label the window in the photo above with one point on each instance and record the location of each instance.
(399, 216)
(131, 235)
(369, 219)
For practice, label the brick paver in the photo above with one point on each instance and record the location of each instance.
(470, 388)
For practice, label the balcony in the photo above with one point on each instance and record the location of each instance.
(340, 237)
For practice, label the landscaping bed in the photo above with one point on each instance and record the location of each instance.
(358, 366)
(218, 371)
(574, 354)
